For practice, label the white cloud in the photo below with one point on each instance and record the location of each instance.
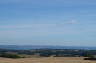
(72, 22)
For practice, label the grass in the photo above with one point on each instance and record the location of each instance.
(47, 60)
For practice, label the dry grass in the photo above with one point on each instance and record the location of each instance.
(47, 60)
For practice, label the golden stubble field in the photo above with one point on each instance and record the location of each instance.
(47, 60)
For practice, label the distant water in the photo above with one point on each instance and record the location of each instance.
(28, 47)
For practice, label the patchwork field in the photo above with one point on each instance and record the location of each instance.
(47, 60)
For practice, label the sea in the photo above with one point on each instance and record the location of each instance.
(30, 47)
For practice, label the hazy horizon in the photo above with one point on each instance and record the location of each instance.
(48, 22)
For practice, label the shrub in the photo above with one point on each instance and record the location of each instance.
(10, 55)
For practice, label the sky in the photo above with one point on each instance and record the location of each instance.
(48, 22)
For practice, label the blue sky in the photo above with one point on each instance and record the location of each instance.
(48, 22)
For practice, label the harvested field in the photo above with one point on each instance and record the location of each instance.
(47, 60)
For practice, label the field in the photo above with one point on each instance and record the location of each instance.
(47, 60)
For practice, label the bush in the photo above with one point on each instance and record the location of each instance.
(10, 55)
(89, 58)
